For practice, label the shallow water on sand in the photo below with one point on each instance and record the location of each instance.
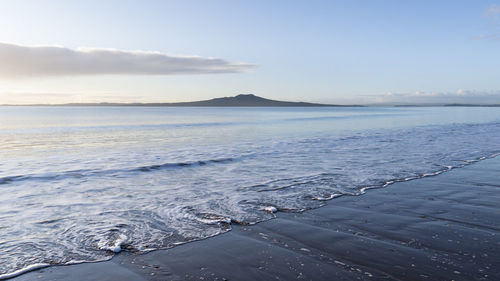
(80, 183)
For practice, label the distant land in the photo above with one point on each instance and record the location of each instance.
(473, 105)
(447, 105)
(239, 100)
(250, 100)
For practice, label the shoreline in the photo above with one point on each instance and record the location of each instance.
(331, 241)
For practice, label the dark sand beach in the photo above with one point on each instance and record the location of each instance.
(445, 227)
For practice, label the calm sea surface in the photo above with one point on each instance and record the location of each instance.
(80, 183)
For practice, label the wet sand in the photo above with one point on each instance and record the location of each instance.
(445, 227)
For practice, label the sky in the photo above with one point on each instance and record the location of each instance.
(341, 52)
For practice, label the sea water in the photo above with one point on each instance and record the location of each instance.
(83, 183)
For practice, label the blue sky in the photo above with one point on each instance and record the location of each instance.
(320, 51)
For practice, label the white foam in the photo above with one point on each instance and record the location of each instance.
(23, 270)
(214, 220)
(270, 209)
(116, 247)
(326, 198)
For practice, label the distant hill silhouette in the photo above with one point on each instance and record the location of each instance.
(245, 100)
(250, 101)
(239, 100)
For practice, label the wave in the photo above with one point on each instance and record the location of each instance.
(113, 172)
(182, 164)
(225, 222)
(329, 179)
(24, 270)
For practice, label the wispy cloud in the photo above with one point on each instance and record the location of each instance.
(493, 11)
(492, 36)
(459, 96)
(25, 61)
(493, 15)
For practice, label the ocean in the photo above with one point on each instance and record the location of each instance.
(79, 184)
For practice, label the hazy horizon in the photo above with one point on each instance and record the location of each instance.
(322, 52)
(416, 102)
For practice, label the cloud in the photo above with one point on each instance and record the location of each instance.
(430, 98)
(493, 15)
(493, 11)
(492, 36)
(25, 61)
